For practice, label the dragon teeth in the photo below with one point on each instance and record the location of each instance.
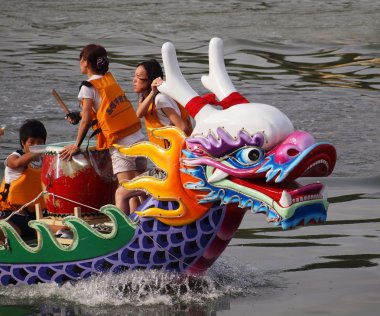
(217, 176)
(286, 199)
(324, 192)
(322, 195)
(319, 162)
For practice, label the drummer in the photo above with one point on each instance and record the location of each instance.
(32, 132)
(106, 108)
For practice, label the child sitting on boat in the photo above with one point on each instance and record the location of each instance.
(22, 168)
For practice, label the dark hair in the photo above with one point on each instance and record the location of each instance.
(32, 128)
(96, 56)
(153, 70)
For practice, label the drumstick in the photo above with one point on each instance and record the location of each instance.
(60, 101)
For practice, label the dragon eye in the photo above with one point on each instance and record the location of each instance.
(250, 155)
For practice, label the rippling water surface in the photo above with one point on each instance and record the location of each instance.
(318, 61)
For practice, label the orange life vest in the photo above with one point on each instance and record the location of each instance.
(22, 190)
(116, 117)
(152, 122)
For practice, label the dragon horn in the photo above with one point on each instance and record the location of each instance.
(218, 81)
(176, 85)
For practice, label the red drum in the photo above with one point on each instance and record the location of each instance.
(87, 179)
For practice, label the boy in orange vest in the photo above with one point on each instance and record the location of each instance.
(18, 163)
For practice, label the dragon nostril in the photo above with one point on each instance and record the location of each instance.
(292, 152)
(286, 152)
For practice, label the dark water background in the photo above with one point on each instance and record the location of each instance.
(318, 61)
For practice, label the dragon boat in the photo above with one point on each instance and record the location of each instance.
(240, 157)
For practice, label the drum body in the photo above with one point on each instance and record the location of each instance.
(86, 180)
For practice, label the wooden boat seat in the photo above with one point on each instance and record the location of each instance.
(57, 223)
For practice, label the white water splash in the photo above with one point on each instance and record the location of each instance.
(146, 289)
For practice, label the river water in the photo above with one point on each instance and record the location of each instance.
(318, 61)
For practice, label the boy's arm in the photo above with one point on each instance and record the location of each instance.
(15, 161)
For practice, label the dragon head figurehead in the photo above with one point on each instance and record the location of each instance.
(240, 153)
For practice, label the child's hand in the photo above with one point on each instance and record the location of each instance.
(36, 161)
(156, 82)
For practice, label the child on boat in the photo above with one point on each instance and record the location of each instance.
(20, 165)
(106, 108)
(158, 109)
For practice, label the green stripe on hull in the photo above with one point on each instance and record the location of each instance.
(87, 242)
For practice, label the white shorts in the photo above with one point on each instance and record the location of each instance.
(121, 163)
